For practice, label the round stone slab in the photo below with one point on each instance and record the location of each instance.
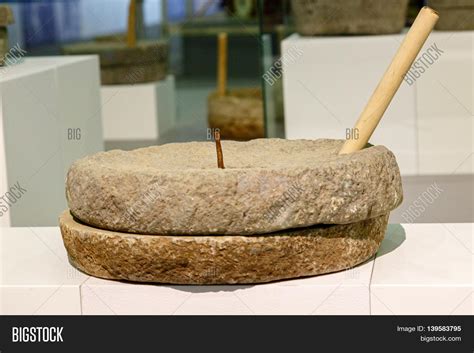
(267, 185)
(118, 53)
(131, 74)
(214, 259)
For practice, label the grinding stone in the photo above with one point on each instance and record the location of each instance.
(268, 185)
(315, 17)
(238, 115)
(131, 74)
(120, 64)
(118, 53)
(3, 45)
(220, 259)
(455, 19)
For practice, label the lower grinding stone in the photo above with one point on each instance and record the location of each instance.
(220, 259)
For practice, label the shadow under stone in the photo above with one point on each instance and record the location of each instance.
(394, 237)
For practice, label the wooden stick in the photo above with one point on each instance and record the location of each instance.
(391, 80)
(132, 23)
(222, 64)
(220, 156)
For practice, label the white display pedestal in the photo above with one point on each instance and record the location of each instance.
(428, 125)
(142, 111)
(341, 293)
(35, 275)
(419, 269)
(50, 116)
(424, 269)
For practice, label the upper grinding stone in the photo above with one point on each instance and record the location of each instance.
(268, 185)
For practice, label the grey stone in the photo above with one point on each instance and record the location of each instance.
(3, 45)
(454, 15)
(220, 259)
(315, 17)
(435, 4)
(268, 185)
(455, 19)
(131, 74)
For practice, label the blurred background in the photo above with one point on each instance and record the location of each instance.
(306, 68)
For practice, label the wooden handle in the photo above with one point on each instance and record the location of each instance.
(132, 23)
(392, 79)
(222, 64)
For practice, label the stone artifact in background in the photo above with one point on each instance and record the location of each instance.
(6, 18)
(121, 64)
(454, 15)
(237, 113)
(319, 17)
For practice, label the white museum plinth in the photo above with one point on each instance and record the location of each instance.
(50, 115)
(138, 112)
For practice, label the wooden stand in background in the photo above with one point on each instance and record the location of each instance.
(123, 59)
(237, 113)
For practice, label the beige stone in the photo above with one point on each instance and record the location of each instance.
(435, 4)
(238, 115)
(220, 259)
(118, 53)
(267, 185)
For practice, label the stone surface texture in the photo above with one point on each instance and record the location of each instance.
(131, 74)
(268, 185)
(120, 64)
(314, 17)
(220, 259)
(238, 114)
(454, 15)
